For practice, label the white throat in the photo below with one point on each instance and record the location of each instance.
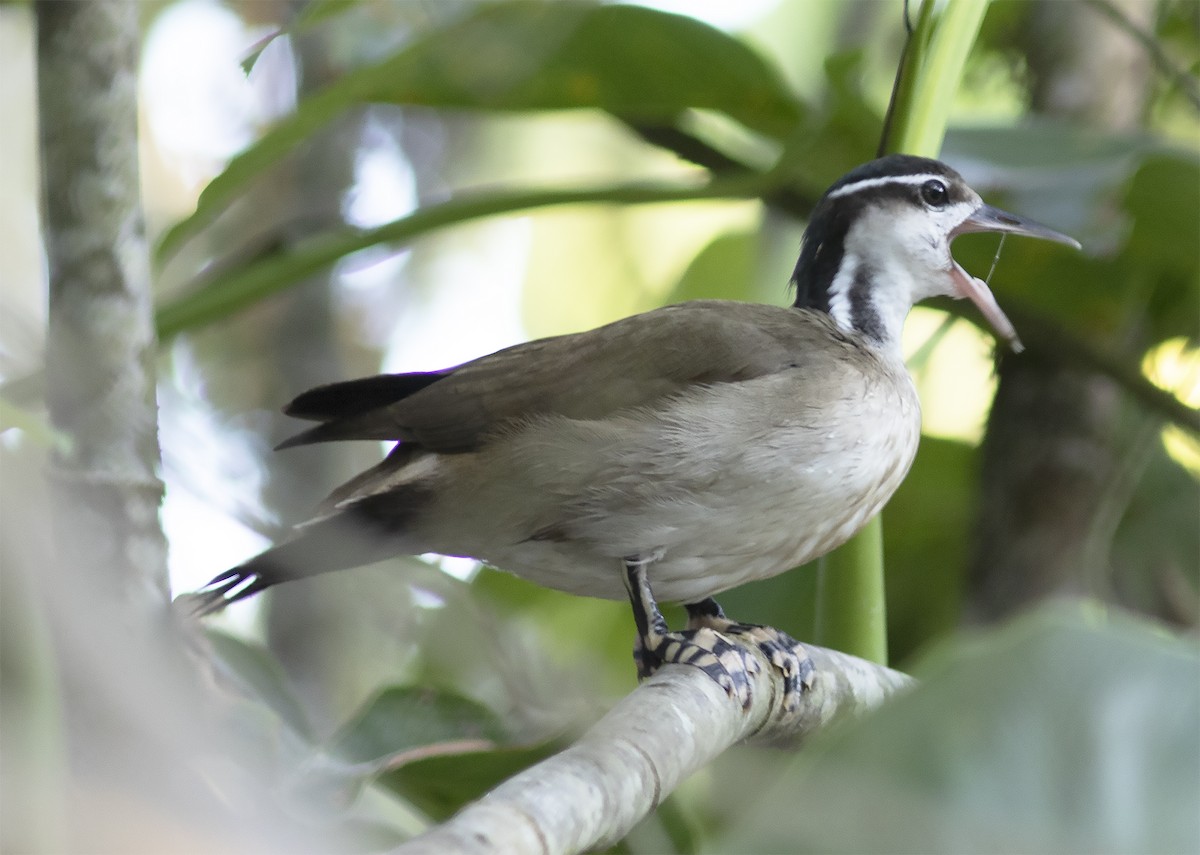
(874, 288)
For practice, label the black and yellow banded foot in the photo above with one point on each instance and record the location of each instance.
(727, 663)
(782, 651)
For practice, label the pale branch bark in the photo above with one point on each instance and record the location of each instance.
(100, 346)
(594, 792)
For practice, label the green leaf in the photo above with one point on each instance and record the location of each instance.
(313, 13)
(1164, 203)
(925, 531)
(1147, 265)
(1065, 732)
(401, 718)
(229, 289)
(723, 270)
(634, 62)
(841, 137)
(263, 674)
(440, 785)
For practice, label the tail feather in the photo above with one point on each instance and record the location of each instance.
(369, 530)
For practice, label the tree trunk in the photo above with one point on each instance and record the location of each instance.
(100, 343)
(1051, 443)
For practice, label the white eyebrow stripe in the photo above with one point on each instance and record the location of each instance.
(868, 183)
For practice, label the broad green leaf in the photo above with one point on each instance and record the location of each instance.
(723, 270)
(945, 35)
(837, 139)
(583, 634)
(1149, 266)
(1065, 732)
(263, 674)
(634, 62)
(228, 290)
(926, 526)
(440, 785)
(1164, 204)
(401, 718)
(1156, 551)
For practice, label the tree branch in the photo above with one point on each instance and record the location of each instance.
(785, 198)
(591, 794)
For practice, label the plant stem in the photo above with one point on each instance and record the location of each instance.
(851, 605)
(851, 609)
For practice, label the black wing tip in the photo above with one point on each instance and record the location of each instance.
(348, 398)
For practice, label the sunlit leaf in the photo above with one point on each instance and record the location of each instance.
(723, 270)
(229, 289)
(634, 62)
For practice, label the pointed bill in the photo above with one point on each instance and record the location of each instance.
(988, 219)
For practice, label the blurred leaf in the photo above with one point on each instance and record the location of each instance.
(1061, 733)
(440, 785)
(1164, 204)
(1156, 551)
(932, 74)
(843, 134)
(925, 527)
(588, 636)
(261, 671)
(404, 717)
(723, 270)
(1145, 282)
(312, 13)
(228, 289)
(317, 11)
(35, 425)
(634, 62)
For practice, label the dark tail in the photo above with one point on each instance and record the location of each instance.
(369, 530)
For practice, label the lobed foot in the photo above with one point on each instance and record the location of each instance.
(728, 664)
(782, 651)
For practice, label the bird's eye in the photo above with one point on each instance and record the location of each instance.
(933, 193)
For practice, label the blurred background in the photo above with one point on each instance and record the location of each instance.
(1068, 473)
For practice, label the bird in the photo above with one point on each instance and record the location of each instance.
(671, 455)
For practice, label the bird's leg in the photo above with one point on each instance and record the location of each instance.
(781, 650)
(703, 647)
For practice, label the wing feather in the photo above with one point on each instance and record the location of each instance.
(629, 363)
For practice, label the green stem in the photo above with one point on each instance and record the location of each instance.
(851, 609)
(850, 587)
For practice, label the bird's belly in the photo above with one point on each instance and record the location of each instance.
(715, 501)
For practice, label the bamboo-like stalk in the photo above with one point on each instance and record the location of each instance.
(851, 608)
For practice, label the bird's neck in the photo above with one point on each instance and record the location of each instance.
(862, 293)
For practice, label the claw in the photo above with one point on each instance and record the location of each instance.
(783, 652)
(727, 663)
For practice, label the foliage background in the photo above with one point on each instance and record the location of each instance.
(424, 687)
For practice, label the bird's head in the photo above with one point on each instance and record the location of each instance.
(879, 241)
